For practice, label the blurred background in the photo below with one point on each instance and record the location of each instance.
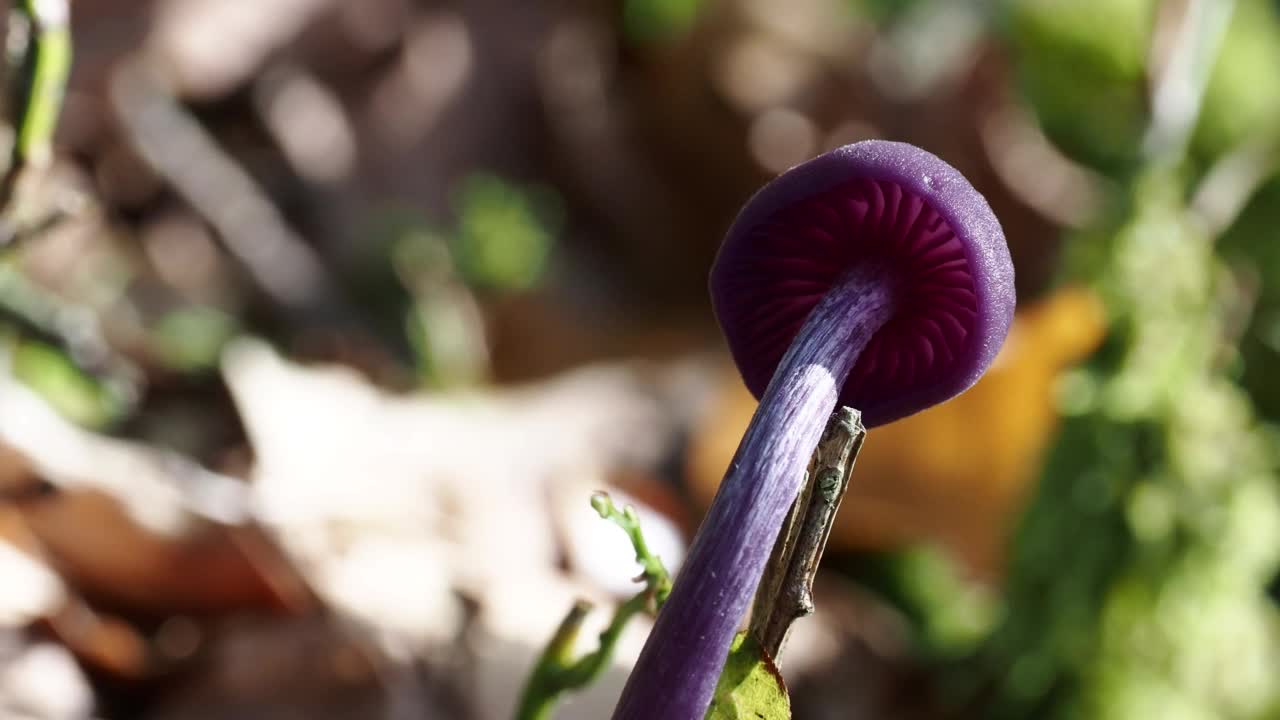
(320, 321)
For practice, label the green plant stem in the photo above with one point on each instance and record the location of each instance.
(37, 314)
(655, 576)
(556, 671)
(46, 59)
(39, 61)
(546, 682)
(50, 57)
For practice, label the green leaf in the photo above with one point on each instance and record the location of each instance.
(750, 687)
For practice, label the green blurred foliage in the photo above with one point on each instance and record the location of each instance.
(505, 232)
(1242, 100)
(77, 395)
(1081, 66)
(447, 341)
(657, 21)
(441, 321)
(949, 613)
(1252, 243)
(886, 11)
(191, 338)
(1137, 584)
(502, 242)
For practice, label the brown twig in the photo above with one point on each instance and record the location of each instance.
(786, 592)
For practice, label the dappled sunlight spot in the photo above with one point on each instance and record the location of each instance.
(849, 132)
(191, 40)
(374, 25)
(32, 590)
(308, 122)
(807, 24)
(923, 55)
(754, 73)
(184, 153)
(42, 680)
(435, 65)
(1036, 172)
(182, 252)
(573, 68)
(780, 138)
(1151, 512)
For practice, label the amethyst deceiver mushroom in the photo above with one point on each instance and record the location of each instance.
(874, 276)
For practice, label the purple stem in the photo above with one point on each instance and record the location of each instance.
(676, 675)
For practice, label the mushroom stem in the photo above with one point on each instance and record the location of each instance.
(677, 671)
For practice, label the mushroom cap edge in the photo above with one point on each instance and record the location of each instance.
(949, 194)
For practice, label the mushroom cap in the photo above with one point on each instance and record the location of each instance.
(914, 216)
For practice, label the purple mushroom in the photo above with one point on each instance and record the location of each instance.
(874, 276)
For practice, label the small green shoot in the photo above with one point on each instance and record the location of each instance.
(557, 672)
